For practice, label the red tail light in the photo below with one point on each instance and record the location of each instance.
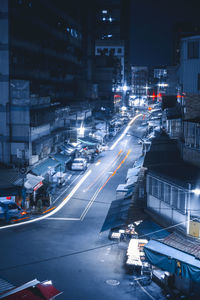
(23, 213)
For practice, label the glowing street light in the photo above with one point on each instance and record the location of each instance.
(125, 88)
(196, 191)
(81, 131)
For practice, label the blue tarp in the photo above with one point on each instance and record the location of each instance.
(88, 141)
(43, 168)
(64, 159)
(117, 214)
(173, 260)
(151, 230)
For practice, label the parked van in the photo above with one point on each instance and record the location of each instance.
(10, 211)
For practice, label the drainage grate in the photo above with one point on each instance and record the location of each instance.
(113, 282)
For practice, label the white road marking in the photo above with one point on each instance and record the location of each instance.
(89, 204)
(125, 131)
(64, 219)
(56, 209)
(73, 192)
(67, 188)
(98, 163)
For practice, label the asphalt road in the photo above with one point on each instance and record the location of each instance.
(67, 247)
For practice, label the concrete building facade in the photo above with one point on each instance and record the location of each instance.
(190, 65)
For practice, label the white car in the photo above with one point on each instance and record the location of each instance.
(79, 164)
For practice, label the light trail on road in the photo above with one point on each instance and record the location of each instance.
(104, 171)
(56, 209)
(113, 173)
(66, 199)
(99, 190)
(125, 131)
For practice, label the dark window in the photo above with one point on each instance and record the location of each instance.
(162, 191)
(167, 193)
(198, 82)
(193, 50)
(174, 197)
(119, 50)
(150, 185)
(13, 206)
(182, 200)
(155, 187)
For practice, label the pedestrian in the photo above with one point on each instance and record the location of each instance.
(39, 205)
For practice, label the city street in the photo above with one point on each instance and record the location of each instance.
(67, 247)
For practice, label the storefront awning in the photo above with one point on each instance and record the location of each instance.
(42, 168)
(33, 182)
(32, 290)
(117, 214)
(88, 141)
(151, 230)
(132, 172)
(173, 260)
(139, 162)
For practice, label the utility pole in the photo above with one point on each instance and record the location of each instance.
(188, 209)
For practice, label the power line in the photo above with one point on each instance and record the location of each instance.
(57, 257)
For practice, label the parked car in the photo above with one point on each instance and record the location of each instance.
(9, 211)
(79, 164)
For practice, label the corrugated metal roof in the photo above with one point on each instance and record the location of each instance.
(42, 168)
(61, 158)
(183, 243)
(163, 150)
(5, 286)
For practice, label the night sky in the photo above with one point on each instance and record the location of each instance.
(152, 23)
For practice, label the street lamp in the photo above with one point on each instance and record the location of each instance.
(81, 131)
(125, 88)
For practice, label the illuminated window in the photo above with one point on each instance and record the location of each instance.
(104, 11)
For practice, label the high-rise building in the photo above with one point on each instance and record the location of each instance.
(113, 23)
(42, 57)
(139, 81)
(112, 40)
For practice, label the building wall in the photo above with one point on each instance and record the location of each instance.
(191, 107)
(113, 48)
(172, 80)
(139, 81)
(4, 84)
(174, 128)
(169, 202)
(191, 145)
(190, 65)
(191, 155)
